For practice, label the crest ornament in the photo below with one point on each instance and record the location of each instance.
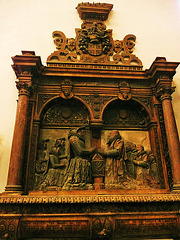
(93, 43)
(124, 91)
(66, 89)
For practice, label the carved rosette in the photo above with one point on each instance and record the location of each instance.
(164, 92)
(8, 228)
(24, 88)
(102, 228)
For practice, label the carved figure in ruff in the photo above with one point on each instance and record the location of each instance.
(141, 163)
(78, 173)
(115, 167)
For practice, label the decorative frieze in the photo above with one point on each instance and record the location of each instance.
(104, 198)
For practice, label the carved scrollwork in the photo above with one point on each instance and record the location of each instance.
(43, 98)
(96, 102)
(65, 47)
(145, 100)
(94, 44)
(124, 49)
(59, 40)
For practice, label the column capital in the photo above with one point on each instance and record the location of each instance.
(24, 88)
(164, 92)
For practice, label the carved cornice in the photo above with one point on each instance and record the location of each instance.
(160, 67)
(90, 198)
(27, 65)
(96, 11)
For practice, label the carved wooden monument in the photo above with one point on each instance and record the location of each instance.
(95, 152)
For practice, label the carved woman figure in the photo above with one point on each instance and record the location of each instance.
(56, 165)
(41, 163)
(142, 166)
(78, 174)
(131, 152)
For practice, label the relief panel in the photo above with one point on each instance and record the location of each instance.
(129, 160)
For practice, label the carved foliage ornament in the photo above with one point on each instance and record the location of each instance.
(164, 92)
(93, 44)
(24, 88)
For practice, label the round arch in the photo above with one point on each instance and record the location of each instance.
(72, 110)
(52, 101)
(131, 113)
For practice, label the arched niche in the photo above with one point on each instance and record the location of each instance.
(134, 124)
(126, 115)
(64, 112)
(130, 118)
(57, 118)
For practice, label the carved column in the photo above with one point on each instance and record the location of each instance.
(17, 151)
(164, 93)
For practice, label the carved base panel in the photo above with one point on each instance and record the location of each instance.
(89, 226)
(90, 217)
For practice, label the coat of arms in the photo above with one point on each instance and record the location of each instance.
(94, 39)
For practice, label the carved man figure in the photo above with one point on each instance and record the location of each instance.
(115, 168)
(78, 173)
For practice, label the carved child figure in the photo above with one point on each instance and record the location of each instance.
(142, 165)
(146, 168)
(56, 166)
